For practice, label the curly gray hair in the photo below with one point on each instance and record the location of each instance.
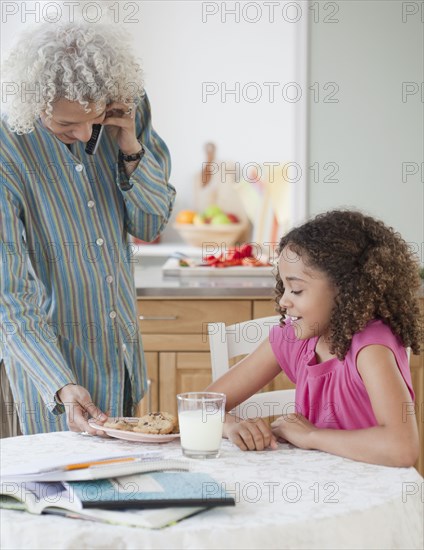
(76, 61)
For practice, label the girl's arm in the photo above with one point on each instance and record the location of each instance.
(394, 442)
(242, 381)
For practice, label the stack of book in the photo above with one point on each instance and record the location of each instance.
(140, 490)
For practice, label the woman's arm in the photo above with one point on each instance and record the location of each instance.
(148, 195)
(242, 381)
(394, 442)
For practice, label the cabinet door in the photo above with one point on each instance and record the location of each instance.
(150, 402)
(189, 316)
(264, 308)
(181, 372)
(417, 376)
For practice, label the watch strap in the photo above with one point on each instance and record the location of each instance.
(133, 157)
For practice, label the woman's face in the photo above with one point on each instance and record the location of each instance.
(308, 297)
(69, 121)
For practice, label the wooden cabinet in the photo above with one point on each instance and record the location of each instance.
(417, 374)
(176, 344)
(176, 347)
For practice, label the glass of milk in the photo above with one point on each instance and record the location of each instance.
(201, 417)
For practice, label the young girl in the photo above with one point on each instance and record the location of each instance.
(347, 292)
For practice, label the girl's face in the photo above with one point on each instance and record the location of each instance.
(308, 297)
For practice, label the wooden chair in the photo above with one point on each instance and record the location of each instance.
(227, 342)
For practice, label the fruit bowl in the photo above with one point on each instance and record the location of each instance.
(198, 235)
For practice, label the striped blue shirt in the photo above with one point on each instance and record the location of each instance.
(67, 293)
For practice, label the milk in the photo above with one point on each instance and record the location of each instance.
(201, 430)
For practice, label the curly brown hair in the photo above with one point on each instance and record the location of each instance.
(373, 269)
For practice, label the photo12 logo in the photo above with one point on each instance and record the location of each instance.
(269, 92)
(412, 12)
(69, 12)
(270, 12)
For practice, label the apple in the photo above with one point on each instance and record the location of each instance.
(220, 219)
(212, 211)
(233, 218)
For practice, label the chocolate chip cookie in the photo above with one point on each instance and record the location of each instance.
(156, 423)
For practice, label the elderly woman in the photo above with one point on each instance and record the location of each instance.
(68, 325)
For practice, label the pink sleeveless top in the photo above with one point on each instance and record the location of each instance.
(331, 394)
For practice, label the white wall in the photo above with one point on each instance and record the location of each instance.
(370, 132)
(182, 47)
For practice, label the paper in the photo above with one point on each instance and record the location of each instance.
(53, 469)
(38, 498)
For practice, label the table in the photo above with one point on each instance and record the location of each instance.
(288, 498)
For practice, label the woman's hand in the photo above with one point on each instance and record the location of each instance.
(79, 407)
(122, 117)
(295, 429)
(252, 435)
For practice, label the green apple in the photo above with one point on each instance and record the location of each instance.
(220, 219)
(211, 211)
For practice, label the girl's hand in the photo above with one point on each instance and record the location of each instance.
(295, 429)
(122, 117)
(252, 435)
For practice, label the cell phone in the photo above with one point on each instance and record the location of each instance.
(94, 141)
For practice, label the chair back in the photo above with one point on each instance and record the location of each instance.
(226, 342)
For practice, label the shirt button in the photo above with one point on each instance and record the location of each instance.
(91, 204)
(109, 279)
(79, 167)
(112, 314)
(99, 242)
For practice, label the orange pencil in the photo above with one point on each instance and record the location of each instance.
(98, 463)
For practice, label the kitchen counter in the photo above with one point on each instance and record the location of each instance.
(150, 282)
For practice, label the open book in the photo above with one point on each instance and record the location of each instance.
(35, 503)
(110, 500)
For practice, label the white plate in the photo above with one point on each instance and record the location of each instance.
(172, 268)
(134, 436)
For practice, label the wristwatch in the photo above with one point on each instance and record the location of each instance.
(133, 157)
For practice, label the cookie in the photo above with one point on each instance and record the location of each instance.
(156, 423)
(120, 424)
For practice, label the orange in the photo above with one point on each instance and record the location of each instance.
(185, 216)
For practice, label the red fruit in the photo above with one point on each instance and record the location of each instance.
(233, 254)
(211, 260)
(233, 218)
(246, 251)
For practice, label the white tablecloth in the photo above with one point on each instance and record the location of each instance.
(287, 498)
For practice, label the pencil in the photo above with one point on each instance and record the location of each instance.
(82, 465)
